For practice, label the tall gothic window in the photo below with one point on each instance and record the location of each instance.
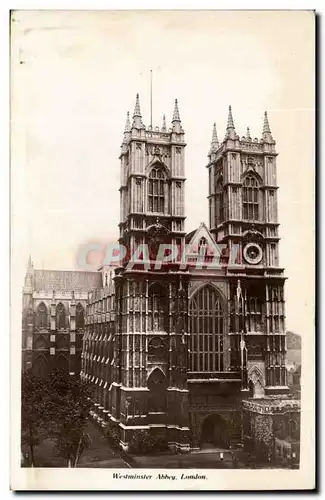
(80, 316)
(250, 198)
(40, 367)
(60, 316)
(206, 328)
(220, 212)
(41, 316)
(157, 308)
(156, 190)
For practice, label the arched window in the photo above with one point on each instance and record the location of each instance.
(157, 310)
(62, 363)
(202, 246)
(40, 367)
(156, 190)
(220, 212)
(40, 343)
(157, 385)
(250, 198)
(206, 329)
(41, 316)
(60, 316)
(80, 316)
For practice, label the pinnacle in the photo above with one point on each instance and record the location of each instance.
(127, 123)
(214, 141)
(137, 111)
(163, 128)
(176, 117)
(230, 123)
(266, 125)
(248, 134)
(30, 264)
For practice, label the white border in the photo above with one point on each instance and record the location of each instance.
(4, 195)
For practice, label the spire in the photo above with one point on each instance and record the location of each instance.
(137, 111)
(164, 128)
(28, 283)
(127, 123)
(266, 126)
(214, 141)
(127, 131)
(176, 117)
(230, 123)
(30, 265)
(248, 134)
(137, 118)
(230, 133)
(266, 135)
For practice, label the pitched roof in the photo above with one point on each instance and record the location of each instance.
(77, 281)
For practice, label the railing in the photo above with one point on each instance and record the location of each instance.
(213, 375)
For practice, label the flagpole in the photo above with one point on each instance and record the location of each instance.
(151, 97)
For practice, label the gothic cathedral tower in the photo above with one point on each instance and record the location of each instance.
(150, 362)
(243, 216)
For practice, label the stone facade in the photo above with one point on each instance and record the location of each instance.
(53, 323)
(182, 348)
(178, 349)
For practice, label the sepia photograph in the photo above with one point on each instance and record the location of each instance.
(162, 249)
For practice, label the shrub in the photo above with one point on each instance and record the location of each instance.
(113, 436)
(142, 442)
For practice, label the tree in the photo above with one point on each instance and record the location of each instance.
(71, 402)
(34, 412)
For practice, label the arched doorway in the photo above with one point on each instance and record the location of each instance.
(157, 385)
(256, 382)
(214, 432)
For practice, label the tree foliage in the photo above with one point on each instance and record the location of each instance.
(34, 412)
(56, 408)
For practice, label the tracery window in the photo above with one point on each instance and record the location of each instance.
(157, 308)
(220, 212)
(207, 329)
(40, 367)
(41, 316)
(60, 316)
(80, 316)
(250, 198)
(156, 190)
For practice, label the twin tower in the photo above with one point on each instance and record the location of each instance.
(190, 344)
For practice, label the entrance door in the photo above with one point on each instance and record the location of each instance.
(215, 432)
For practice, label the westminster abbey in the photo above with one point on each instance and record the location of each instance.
(192, 353)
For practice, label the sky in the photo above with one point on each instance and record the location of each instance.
(74, 75)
